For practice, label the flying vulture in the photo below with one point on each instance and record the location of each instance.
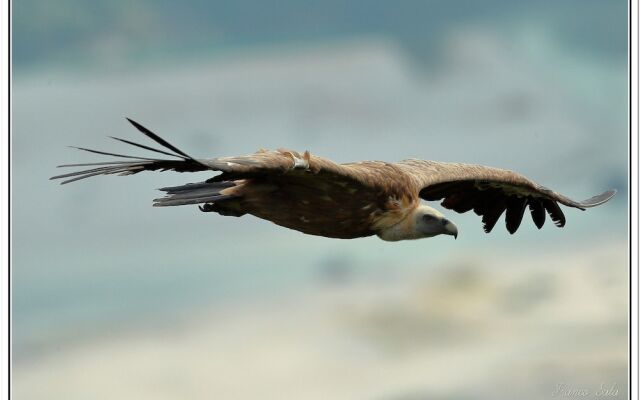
(316, 196)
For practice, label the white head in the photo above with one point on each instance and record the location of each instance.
(431, 222)
(424, 222)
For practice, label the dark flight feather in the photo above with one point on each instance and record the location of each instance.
(491, 215)
(142, 146)
(157, 138)
(185, 164)
(114, 154)
(515, 211)
(537, 212)
(556, 214)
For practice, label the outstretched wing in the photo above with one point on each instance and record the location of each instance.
(490, 192)
(261, 162)
(370, 174)
(282, 167)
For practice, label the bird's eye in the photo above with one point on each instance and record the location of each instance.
(428, 218)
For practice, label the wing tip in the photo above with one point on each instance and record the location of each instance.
(137, 125)
(134, 123)
(599, 199)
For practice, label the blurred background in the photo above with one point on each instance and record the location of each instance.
(115, 299)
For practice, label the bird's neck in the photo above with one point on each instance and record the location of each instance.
(403, 230)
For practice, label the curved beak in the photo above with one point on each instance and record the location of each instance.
(450, 229)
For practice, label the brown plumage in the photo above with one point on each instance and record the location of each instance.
(316, 196)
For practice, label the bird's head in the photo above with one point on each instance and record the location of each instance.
(423, 222)
(430, 222)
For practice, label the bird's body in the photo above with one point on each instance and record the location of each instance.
(316, 196)
(325, 205)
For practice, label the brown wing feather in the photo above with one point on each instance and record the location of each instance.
(491, 191)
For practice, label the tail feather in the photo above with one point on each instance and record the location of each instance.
(194, 193)
(192, 186)
(167, 202)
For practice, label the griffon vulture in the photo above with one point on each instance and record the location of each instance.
(316, 196)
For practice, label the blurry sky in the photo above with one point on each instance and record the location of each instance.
(75, 33)
(539, 87)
